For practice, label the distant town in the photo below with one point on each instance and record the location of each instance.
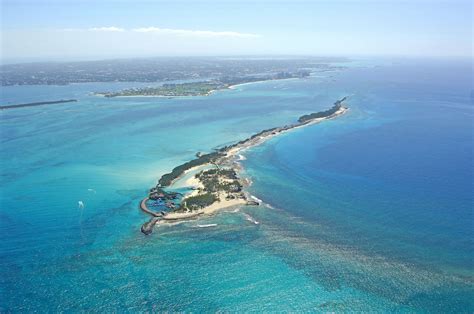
(197, 69)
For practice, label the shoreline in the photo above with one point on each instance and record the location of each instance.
(261, 139)
(262, 81)
(225, 159)
(209, 93)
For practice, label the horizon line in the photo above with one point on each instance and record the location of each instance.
(80, 59)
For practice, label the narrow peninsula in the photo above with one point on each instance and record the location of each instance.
(215, 182)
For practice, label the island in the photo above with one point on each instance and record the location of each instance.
(216, 183)
(201, 88)
(34, 104)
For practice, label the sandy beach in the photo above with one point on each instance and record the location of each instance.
(248, 83)
(264, 137)
(230, 160)
(190, 181)
(209, 210)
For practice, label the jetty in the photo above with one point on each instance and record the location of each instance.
(145, 208)
(147, 227)
(40, 103)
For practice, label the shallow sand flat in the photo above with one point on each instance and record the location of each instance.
(182, 181)
(193, 182)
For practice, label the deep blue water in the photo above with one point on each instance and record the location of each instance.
(372, 211)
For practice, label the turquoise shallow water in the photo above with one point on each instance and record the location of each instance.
(372, 211)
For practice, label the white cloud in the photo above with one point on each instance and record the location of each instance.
(107, 41)
(167, 31)
(194, 33)
(106, 29)
(94, 29)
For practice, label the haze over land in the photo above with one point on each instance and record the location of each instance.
(153, 70)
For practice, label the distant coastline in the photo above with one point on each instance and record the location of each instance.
(215, 181)
(207, 93)
(202, 88)
(40, 103)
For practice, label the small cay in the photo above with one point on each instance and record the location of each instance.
(219, 185)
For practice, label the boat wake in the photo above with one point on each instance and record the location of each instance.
(261, 202)
(241, 157)
(268, 206)
(206, 226)
(251, 219)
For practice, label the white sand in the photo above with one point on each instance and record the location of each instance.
(260, 139)
(206, 210)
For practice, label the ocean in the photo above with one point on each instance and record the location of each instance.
(372, 211)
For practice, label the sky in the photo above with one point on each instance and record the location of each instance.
(43, 30)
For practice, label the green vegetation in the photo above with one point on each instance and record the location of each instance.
(220, 180)
(215, 182)
(168, 178)
(170, 90)
(227, 173)
(197, 202)
(322, 114)
(223, 173)
(226, 148)
(201, 88)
